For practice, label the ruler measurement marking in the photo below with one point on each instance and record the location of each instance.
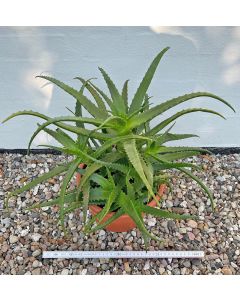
(122, 254)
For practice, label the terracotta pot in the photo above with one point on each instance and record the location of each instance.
(123, 223)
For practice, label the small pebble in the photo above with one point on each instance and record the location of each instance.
(226, 271)
(24, 232)
(191, 236)
(35, 264)
(146, 266)
(102, 232)
(36, 253)
(56, 188)
(84, 272)
(127, 267)
(36, 271)
(13, 239)
(192, 224)
(152, 222)
(36, 237)
(64, 272)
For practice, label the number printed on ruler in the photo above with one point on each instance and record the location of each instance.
(122, 254)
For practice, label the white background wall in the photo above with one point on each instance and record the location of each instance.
(200, 59)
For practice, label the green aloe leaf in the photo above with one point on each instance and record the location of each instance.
(70, 172)
(65, 118)
(83, 100)
(91, 169)
(125, 95)
(164, 123)
(135, 159)
(108, 144)
(96, 197)
(168, 137)
(86, 194)
(145, 126)
(130, 187)
(116, 97)
(164, 149)
(74, 129)
(148, 170)
(81, 139)
(95, 94)
(102, 181)
(74, 150)
(26, 112)
(178, 155)
(161, 108)
(68, 151)
(164, 213)
(71, 208)
(144, 85)
(101, 215)
(105, 97)
(129, 207)
(85, 132)
(61, 137)
(164, 165)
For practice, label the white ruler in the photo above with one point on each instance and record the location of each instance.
(123, 254)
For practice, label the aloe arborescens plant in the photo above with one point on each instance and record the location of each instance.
(125, 158)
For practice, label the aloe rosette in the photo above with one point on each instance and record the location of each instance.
(125, 157)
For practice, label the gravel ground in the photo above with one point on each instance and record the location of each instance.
(24, 235)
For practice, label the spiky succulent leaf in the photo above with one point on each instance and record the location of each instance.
(131, 209)
(143, 87)
(117, 99)
(86, 194)
(101, 215)
(164, 149)
(164, 123)
(65, 118)
(61, 137)
(73, 129)
(168, 137)
(135, 159)
(105, 97)
(178, 155)
(161, 108)
(125, 95)
(164, 213)
(108, 144)
(95, 95)
(71, 170)
(83, 100)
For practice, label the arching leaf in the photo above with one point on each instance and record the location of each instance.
(164, 123)
(116, 97)
(161, 108)
(143, 87)
(95, 95)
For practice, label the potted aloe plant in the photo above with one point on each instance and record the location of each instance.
(122, 163)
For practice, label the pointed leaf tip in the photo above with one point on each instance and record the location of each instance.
(145, 83)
